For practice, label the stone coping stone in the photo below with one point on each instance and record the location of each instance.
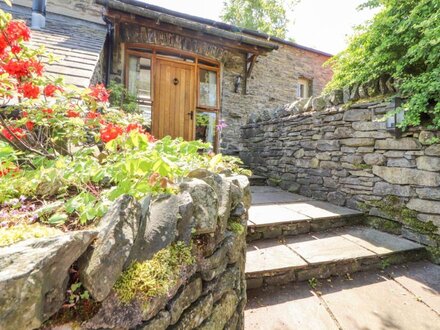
(348, 244)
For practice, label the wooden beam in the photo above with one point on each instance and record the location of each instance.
(250, 64)
(198, 35)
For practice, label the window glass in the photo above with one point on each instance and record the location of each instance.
(208, 88)
(206, 126)
(139, 82)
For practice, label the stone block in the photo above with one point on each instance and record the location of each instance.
(34, 275)
(423, 205)
(428, 193)
(221, 312)
(190, 293)
(336, 198)
(358, 142)
(428, 163)
(425, 137)
(398, 144)
(205, 205)
(384, 189)
(160, 322)
(368, 125)
(196, 314)
(400, 162)
(433, 150)
(397, 175)
(374, 159)
(104, 261)
(357, 115)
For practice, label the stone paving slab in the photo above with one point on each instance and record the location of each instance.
(372, 301)
(264, 189)
(327, 248)
(273, 214)
(291, 307)
(322, 248)
(276, 197)
(365, 301)
(377, 241)
(422, 279)
(270, 255)
(321, 210)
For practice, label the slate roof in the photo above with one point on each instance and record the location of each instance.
(76, 43)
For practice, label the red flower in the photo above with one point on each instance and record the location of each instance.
(18, 30)
(110, 132)
(93, 115)
(17, 68)
(99, 93)
(48, 112)
(17, 131)
(6, 171)
(134, 127)
(29, 90)
(30, 125)
(50, 90)
(72, 113)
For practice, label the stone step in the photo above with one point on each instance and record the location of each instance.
(321, 255)
(257, 180)
(293, 215)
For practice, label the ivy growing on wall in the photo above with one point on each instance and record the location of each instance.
(402, 41)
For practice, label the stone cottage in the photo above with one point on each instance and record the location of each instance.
(191, 74)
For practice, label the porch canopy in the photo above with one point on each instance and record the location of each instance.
(225, 35)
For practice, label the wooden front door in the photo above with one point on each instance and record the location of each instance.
(174, 100)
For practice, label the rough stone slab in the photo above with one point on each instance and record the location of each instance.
(276, 198)
(270, 255)
(377, 241)
(320, 210)
(422, 279)
(326, 248)
(396, 175)
(398, 144)
(273, 214)
(293, 306)
(371, 301)
(422, 205)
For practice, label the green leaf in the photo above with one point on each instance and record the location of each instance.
(58, 219)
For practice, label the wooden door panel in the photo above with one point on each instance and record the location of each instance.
(174, 99)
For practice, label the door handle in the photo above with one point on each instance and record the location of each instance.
(191, 115)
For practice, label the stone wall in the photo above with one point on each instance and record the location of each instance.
(208, 214)
(82, 9)
(341, 153)
(272, 83)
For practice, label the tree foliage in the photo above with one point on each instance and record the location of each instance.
(402, 41)
(268, 16)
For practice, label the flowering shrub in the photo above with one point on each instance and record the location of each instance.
(65, 156)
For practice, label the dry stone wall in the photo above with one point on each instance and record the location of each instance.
(210, 293)
(343, 154)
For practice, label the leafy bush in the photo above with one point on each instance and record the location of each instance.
(402, 41)
(121, 98)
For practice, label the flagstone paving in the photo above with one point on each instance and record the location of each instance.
(401, 297)
(292, 239)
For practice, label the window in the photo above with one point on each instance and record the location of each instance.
(208, 88)
(304, 88)
(139, 82)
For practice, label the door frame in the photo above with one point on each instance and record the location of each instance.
(155, 52)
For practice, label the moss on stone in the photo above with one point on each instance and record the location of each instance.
(362, 166)
(385, 225)
(156, 276)
(21, 232)
(236, 227)
(434, 254)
